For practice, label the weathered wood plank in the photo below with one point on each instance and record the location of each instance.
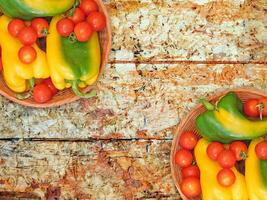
(86, 170)
(221, 30)
(134, 101)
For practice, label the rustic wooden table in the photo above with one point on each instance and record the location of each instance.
(165, 54)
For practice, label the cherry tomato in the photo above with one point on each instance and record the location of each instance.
(214, 149)
(263, 106)
(27, 36)
(78, 16)
(65, 27)
(188, 140)
(51, 86)
(240, 150)
(226, 177)
(27, 54)
(83, 31)
(251, 109)
(190, 187)
(42, 93)
(261, 150)
(40, 25)
(97, 20)
(15, 26)
(183, 158)
(226, 159)
(191, 170)
(88, 6)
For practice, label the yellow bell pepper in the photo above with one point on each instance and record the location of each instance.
(256, 171)
(16, 73)
(211, 189)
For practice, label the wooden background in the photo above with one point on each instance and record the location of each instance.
(165, 55)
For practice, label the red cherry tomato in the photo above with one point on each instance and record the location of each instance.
(214, 149)
(40, 25)
(226, 159)
(97, 20)
(27, 54)
(88, 6)
(226, 177)
(51, 86)
(183, 158)
(261, 150)
(42, 93)
(263, 106)
(15, 26)
(251, 108)
(191, 187)
(65, 27)
(83, 31)
(78, 16)
(188, 140)
(191, 170)
(240, 150)
(27, 36)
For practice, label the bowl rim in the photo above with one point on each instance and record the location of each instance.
(180, 125)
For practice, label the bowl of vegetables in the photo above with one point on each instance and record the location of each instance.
(52, 54)
(219, 149)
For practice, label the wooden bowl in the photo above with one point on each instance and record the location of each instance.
(67, 96)
(188, 124)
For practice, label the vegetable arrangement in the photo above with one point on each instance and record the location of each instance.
(227, 157)
(56, 48)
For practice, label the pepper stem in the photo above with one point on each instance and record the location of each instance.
(207, 104)
(76, 90)
(29, 93)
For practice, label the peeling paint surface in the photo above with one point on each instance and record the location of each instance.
(165, 55)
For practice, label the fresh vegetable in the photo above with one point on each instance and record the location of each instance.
(65, 27)
(251, 108)
(40, 25)
(240, 150)
(190, 187)
(15, 26)
(261, 150)
(72, 63)
(77, 16)
(88, 6)
(97, 20)
(16, 73)
(226, 159)
(214, 149)
(191, 170)
(1, 64)
(29, 9)
(256, 173)
(188, 140)
(183, 158)
(27, 36)
(263, 106)
(211, 189)
(83, 31)
(226, 123)
(51, 86)
(42, 93)
(27, 54)
(226, 177)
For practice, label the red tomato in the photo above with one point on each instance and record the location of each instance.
(40, 25)
(65, 27)
(83, 31)
(88, 6)
(214, 149)
(183, 158)
(27, 54)
(263, 106)
(190, 187)
(226, 177)
(191, 170)
(15, 26)
(188, 140)
(27, 36)
(51, 86)
(261, 150)
(97, 20)
(251, 109)
(78, 16)
(42, 93)
(240, 150)
(226, 159)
